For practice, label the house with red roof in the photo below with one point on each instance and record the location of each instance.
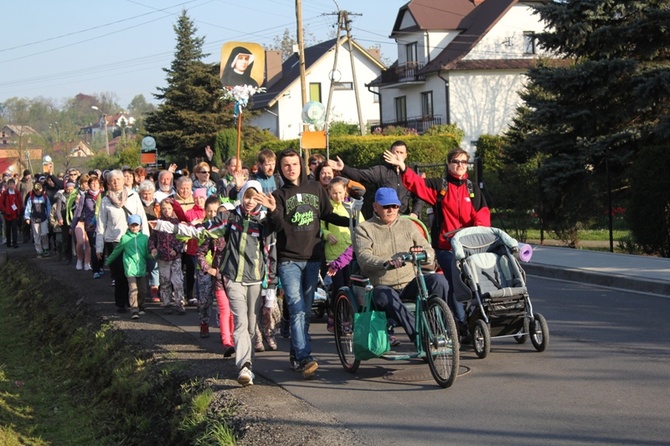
(459, 62)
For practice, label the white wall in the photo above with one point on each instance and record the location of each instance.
(343, 106)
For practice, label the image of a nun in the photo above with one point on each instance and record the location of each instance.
(237, 70)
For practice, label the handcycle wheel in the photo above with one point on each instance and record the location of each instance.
(522, 338)
(539, 333)
(440, 341)
(481, 339)
(344, 332)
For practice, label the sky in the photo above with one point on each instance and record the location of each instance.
(57, 49)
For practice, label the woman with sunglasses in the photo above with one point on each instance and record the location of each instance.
(457, 203)
(203, 178)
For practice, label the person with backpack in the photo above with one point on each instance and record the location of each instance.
(457, 203)
(36, 215)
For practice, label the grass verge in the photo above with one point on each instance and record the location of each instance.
(67, 378)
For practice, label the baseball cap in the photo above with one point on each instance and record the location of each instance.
(134, 220)
(386, 196)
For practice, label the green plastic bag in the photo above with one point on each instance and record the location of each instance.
(370, 333)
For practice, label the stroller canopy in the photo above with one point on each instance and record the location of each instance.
(478, 239)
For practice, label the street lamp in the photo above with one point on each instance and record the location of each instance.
(104, 117)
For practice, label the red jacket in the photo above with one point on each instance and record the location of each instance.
(8, 199)
(458, 209)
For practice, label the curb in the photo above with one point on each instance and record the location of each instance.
(577, 275)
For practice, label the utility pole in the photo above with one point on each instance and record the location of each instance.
(301, 51)
(343, 24)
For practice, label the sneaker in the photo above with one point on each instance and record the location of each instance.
(330, 325)
(135, 315)
(155, 295)
(293, 363)
(113, 282)
(308, 367)
(245, 377)
(87, 267)
(258, 346)
(142, 312)
(45, 253)
(193, 302)
(97, 275)
(204, 330)
(80, 265)
(272, 343)
(228, 351)
(394, 341)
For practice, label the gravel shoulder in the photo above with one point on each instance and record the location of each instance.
(263, 414)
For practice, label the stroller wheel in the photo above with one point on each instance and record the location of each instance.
(522, 337)
(539, 333)
(481, 339)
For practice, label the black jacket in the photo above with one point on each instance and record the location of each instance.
(386, 175)
(297, 219)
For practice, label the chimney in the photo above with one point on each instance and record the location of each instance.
(273, 71)
(375, 52)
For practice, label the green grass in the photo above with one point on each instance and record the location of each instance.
(66, 379)
(584, 235)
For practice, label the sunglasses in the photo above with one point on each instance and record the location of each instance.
(204, 171)
(391, 206)
(461, 162)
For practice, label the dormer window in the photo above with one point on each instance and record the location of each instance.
(411, 53)
(529, 42)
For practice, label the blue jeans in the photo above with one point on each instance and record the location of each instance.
(299, 280)
(445, 259)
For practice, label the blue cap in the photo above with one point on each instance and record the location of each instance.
(386, 195)
(134, 219)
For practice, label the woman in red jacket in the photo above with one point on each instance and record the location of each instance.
(11, 207)
(457, 203)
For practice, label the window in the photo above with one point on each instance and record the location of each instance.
(529, 42)
(401, 109)
(315, 91)
(411, 53)
(343, 85)
(427, 104)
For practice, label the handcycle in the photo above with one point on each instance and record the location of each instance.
(437, 337)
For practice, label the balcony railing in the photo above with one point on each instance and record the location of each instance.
(403, 73)
(418, 123)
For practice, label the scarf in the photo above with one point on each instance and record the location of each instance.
(118, 199)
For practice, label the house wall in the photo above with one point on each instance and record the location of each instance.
(480, 102)
(506, 39)
(343, 106)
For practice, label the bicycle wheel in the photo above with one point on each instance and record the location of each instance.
(440, 341)
(344, 332)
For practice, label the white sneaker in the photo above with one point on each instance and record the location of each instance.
(80, 265)
(246, 377)
(87, 267)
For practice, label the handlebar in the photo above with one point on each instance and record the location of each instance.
(413, 257)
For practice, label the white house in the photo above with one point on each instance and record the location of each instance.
(281, 104)
(459, 62)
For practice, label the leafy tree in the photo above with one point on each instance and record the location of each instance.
(588, 118)
(287, 40)
(191, 112)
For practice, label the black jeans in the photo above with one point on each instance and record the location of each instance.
(119, 276)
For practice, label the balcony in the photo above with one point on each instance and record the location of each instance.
(403, 74)
(418, 123)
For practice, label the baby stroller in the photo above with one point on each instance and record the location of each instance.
(489, 280)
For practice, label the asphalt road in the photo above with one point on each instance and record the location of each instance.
(602, 381)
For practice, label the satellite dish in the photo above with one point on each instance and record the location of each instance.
(148, 144)
(314, 113)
